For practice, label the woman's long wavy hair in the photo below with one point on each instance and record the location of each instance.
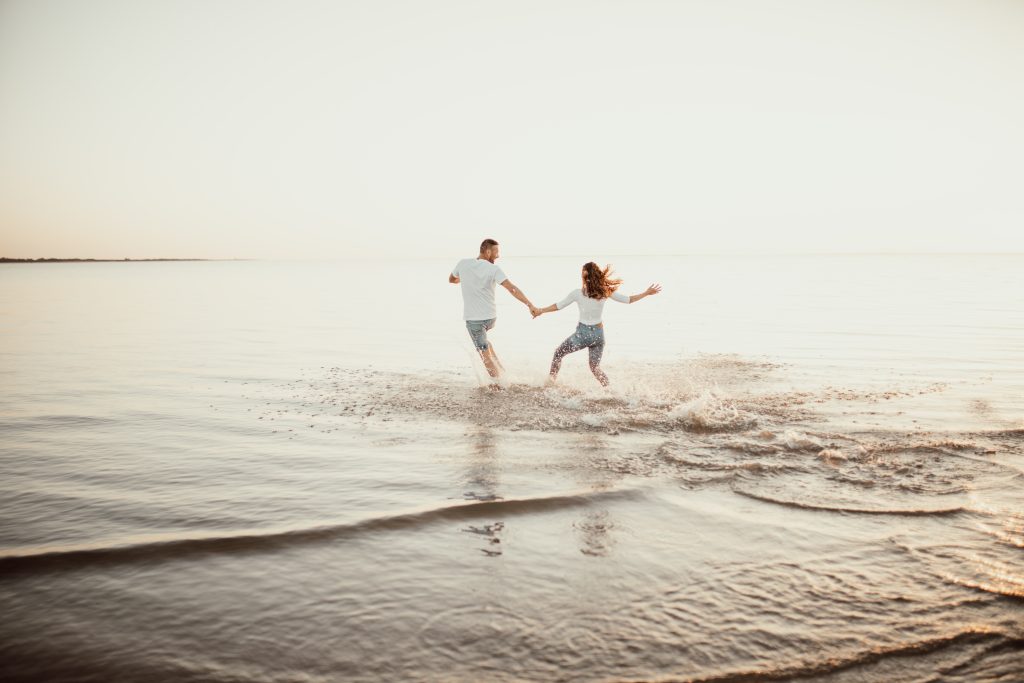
(597, 283)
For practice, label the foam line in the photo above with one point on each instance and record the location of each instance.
(989, 639)
(861, 511)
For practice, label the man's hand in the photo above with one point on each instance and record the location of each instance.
(453, 279)
(517, 293)
(534, 311)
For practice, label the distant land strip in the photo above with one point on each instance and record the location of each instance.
(105, 260)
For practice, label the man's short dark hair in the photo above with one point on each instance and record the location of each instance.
(487, 244)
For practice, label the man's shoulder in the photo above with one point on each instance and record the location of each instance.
(489, 269)
(482, 268)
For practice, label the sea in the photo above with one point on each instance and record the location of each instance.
(805, 467)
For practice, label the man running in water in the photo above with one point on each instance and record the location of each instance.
(478, 277)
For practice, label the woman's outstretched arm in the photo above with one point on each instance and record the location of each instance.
(573, 296)
(650, 291)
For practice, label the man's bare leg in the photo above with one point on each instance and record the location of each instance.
(494, 357)
(493, 368)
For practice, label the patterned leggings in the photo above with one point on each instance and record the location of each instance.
(590, 337)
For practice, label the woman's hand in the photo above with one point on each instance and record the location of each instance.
(653, 289)
(546, 309)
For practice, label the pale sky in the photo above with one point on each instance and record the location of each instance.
(243, 129)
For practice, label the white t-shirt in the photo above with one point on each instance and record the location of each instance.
(478, 278)
(590, 309)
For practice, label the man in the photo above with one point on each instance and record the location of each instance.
(478, 277)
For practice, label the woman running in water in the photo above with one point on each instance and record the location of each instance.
(598, 286)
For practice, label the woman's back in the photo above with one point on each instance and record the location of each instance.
(590, 309)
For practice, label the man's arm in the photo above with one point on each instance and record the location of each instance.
(454, 279)
(518, 293)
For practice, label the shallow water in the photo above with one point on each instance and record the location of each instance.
(805, 467)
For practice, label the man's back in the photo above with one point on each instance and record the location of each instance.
(477, 277)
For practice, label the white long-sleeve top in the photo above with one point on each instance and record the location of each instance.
(590, 309)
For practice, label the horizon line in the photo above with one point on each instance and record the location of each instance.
(6, 259)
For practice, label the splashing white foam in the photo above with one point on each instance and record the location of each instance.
(799, 441)
(709, 412)
(572, 403)
(832, 455)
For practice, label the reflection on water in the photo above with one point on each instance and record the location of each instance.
(594, 527)
(482, 469)
(482, 480)
(595, 524)
(224, 472)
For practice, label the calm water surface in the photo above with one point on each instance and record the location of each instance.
(265, 471)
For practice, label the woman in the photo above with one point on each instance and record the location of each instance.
(598, 286)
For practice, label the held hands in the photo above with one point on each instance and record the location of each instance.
(538, 312)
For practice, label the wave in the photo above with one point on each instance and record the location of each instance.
(935, 446)
(1010, 590)
(718, 466)
(1008, 535)
(173, 546)
(56, 421)
(986, 639)
(1013, 433)
(863, 511)
(990, 575)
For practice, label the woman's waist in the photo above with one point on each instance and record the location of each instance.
(594, 326)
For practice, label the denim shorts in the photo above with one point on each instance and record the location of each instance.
(478, 332)
(586, 336)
